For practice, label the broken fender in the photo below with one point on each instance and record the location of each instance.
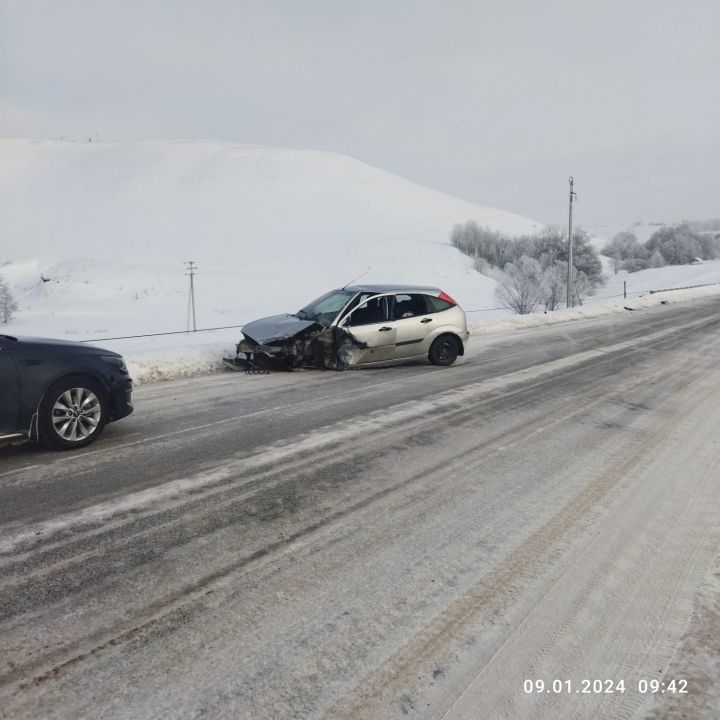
(284, 342)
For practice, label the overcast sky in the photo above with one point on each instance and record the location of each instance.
(495, 101)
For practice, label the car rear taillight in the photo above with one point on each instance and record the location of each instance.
(446, 298)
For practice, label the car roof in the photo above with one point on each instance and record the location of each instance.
(424, 289)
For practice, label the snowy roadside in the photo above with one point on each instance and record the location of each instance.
(166, 358)
(168, 363)
(589, 310)
(178, 356)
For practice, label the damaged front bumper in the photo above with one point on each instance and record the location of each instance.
(311, 346)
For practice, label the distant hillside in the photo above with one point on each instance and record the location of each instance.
(109, 225)
(218, 201)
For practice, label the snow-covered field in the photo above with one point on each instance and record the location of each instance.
(109, 227)
(94, 237)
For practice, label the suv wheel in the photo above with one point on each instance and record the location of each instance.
(444, 350)
(72, 414)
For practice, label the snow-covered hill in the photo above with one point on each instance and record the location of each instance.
(93, 238)
(110, 226)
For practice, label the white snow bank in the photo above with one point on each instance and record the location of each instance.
(168, 357)
(591, 310)
(178, 361)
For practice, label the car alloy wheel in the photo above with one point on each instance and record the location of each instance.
(73, 413)
(76, 414)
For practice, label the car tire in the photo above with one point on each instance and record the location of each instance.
(73, 413)
(444, 350)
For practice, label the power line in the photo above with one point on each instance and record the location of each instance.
(159, 334)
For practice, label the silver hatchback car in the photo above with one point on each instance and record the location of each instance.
(359, 325)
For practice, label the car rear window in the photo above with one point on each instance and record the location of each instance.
(435, 304)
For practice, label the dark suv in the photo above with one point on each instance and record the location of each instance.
(59, 393)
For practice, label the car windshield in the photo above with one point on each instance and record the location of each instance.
(326, 307)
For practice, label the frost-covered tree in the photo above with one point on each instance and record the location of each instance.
(656, 259)
(709, 245)
(521, 287)
(635, 264)
(678, 245)
(581, 286)
(481, 265)
(477, 241)
(554, 281)
(551, 245)
(613, 252)
(7, 302)
(491, 249)
(623, 247)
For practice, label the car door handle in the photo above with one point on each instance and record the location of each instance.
(426, 320)
(384, 329)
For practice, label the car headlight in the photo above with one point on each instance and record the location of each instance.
(118, 362)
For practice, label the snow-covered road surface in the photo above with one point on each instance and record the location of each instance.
(404, 542)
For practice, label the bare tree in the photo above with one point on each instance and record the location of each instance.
(7, 302)
(481, 265)
(554, 281)
(480, 241)
(581, 286)
(521, 287)
(627, 252)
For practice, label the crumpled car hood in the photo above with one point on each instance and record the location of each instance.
(276, 328)
(284, 342)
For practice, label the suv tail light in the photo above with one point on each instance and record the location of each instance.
(444, 296)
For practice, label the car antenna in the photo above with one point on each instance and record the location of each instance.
(357, 278)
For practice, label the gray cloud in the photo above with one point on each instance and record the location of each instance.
(496, 102)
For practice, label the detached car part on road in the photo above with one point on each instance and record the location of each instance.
(61, 394)
(361, 325)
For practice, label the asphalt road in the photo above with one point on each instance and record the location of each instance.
(403, 542)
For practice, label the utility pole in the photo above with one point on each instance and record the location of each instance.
(573, 195)
(192, 269)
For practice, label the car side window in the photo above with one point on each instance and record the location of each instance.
(357, 301)
(435, 304)
(369, 312)
(407, 306)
